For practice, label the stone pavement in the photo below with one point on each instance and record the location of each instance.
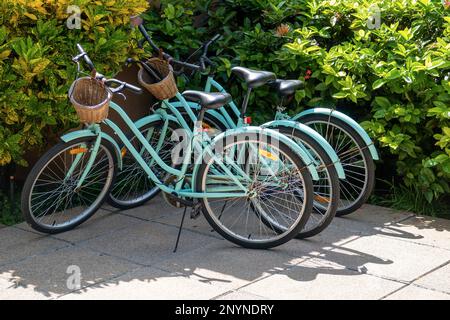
(376, 253)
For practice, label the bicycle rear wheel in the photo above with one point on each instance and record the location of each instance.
(355, 157)
(280, 187)
(51, 200)
(326, 189)
(132, 187)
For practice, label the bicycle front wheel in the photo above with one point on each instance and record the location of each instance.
(52, 199)
(278, 185)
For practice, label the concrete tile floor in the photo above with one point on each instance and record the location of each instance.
(376, 253)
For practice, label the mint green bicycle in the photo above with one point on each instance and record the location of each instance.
(253, 185)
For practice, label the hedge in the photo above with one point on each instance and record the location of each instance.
(36, 47)
(392, 77)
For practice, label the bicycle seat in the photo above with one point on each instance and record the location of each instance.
(208, 100)
(253, 78)
(286, 87)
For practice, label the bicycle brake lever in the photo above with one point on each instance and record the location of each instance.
(122, 95)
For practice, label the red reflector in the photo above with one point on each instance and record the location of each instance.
(248, 120)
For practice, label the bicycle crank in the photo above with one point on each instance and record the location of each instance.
(173, 199)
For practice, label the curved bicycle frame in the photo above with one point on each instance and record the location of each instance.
(227, 121)
(197, 141)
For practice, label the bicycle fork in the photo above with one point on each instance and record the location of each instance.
(79, 155)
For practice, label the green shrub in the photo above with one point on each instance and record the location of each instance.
(393, 78)
(36, 47)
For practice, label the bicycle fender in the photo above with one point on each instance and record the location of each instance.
(341, 116)
(292, 144)
(313, 134)
(88, 133)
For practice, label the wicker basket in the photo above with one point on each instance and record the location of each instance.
(90, 98)
(164, 89)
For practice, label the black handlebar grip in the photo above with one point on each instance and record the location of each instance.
(216, 37)
(147, 37)
(88, 62)
(85, 57)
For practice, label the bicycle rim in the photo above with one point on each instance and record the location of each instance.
(350, 153)
(241, 218)
(54, 200)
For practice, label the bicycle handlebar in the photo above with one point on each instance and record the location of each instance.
(121, 84)
(86, 58)
(203, 59)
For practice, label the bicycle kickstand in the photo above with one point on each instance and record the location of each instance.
(179, 230)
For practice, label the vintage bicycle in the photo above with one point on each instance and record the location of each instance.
(253, 185)
(355, 150)
(133, 190)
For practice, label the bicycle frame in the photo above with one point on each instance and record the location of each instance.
(280, 116)
(227, 121)
(195, 134)
(194, 144)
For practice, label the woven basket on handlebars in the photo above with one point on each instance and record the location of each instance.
(164, 89)
(90, 98)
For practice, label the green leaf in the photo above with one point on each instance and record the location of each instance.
(340, 95)
(446, 166)
(428, 195)
(393, 74)
(441, 158)
(378, 84)
(383, 102)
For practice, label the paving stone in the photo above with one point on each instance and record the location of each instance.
(347, 258)
(369, 220)
(227, 266)
(320, 279)
(108, 222)
(377, 215)
(404, 261)
(48, 274)
(98, 215)
(172, 216)
(110, 208)
(12, 289)
(153, 210)
(413, 292)
(423, 230)
(368, 255)
(17, 244)
(149, 283)
(438, 279)
(147, 243)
